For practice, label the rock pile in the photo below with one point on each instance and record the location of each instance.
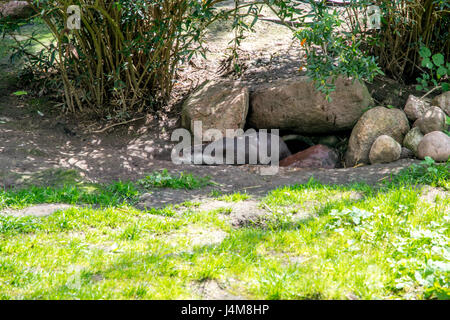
(372, 139)
(378, 134)
(16, 10)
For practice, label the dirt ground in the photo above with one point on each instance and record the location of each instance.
(34, 141)
(32, 145)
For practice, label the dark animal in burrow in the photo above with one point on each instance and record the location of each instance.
(246, 149)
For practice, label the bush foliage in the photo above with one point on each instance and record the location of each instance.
(125, 56)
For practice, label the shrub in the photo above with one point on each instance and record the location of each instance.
(125, 55)
(332, 51)
(405, 26)
(344, 43)
(437, 74)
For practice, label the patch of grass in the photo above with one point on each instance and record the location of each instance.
(13, 225)
(235, 197)
(166, 212)
(215, 193)
(314, 195)
(427, 172)
(188, 204)
(358, 242)
(113, 194)
(222, 210)
(66, 186)
(359, 250)
(96, 254)
(164, 179)
(36, 28)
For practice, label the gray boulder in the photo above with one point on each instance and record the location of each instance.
(435, 145)
(442, 101)
(294, 104)
(221, 105)
(432, 120)
(374, 123)
(385, 150)
(415, 108)
(16, 10)
(412, 139)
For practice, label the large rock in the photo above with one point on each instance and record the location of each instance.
(412, 139)
(443, 101)
(219, 105)
(385, 150)
(435, 145)
(318, 156)
(432, 120)
(374, 123)
(294, 104)
(16, 10)
(415, 108)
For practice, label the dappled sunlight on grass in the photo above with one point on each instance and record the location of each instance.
(358, 242)
(36, 29)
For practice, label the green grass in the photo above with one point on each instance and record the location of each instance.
(164, 179)
(234, 197)
(36, 28)
(428, 172)
(66, 187)
(357, 241)
(92, 194)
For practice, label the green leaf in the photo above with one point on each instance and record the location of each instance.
(52, 57)
(425, 52)
(441, 71)
(426, 62)
(419, 87)
(445, 86)
(20, 93)
(428, 161)
(438, 59)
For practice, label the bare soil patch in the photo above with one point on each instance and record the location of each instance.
(38, 145)
(197, 237)
(213, 290)
(41, 210)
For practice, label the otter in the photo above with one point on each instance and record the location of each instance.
(251, 148)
